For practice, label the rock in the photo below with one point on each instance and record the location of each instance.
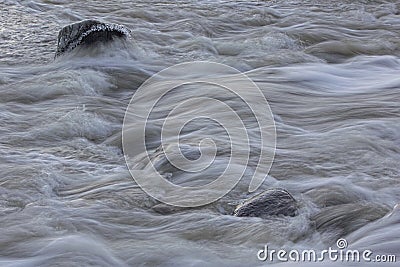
(88, 32)
(340, 220)
(165, 209)
(333, 194)
(272, 202)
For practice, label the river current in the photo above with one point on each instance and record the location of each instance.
(329, 70)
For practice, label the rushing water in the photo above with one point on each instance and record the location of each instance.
(329, 69)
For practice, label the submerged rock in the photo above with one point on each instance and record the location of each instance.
(333, 194)
(272, 202)
(87, 32)
(340, 220)
(165, 209)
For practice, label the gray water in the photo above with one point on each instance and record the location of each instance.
(330, 71)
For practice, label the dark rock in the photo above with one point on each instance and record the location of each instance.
(87, 32)
(269, 203)
(165, 209)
